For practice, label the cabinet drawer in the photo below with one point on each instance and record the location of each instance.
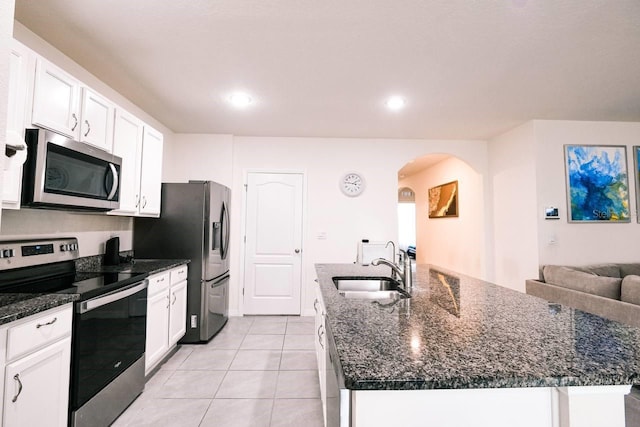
(178, 274)
(38, 331)
(158, 283)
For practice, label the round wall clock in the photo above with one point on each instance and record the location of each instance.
(352, 184)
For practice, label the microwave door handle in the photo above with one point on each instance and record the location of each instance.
(114, 186)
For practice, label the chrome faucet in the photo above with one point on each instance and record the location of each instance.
(403, 273)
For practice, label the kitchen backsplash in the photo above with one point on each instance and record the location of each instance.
(95, 262)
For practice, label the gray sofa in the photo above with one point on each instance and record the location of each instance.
(607, 290)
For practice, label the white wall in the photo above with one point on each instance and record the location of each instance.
(527, 175)
(343, 220)
(216, 163)
(582, 243)
(513, 167)
(456, 243)
(92, 230)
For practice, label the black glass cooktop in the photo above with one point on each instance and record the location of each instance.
(89, 285)
(86, 284)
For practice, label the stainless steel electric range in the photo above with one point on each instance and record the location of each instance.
(109, 325)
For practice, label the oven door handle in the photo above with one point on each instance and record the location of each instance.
(94, 303)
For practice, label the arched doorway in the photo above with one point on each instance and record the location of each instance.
(407, 221)
(454, 242)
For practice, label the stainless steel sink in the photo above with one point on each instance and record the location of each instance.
(369, 287)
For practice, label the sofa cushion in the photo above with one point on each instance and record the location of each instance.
(631, 268)
(630, 289)
(570, 278)
(609, 270)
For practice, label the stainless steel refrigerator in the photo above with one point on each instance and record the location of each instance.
(193, 224)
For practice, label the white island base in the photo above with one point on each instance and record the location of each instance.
(593, 406)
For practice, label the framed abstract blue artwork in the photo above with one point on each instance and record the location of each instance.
(597, 183)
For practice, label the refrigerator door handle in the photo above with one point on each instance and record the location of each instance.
(225, 232)
(218, 281)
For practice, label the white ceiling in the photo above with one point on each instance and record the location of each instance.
(322, 68)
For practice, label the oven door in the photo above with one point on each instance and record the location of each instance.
(108, 337)
(62, 172)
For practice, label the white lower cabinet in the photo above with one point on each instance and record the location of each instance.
(37, 369)
(321, 348)
(37, 387)
(166, 314)
(178, 312)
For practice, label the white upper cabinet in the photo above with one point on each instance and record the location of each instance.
(96, 126)
(140, 147)
(127, 144)
(62, 104)
(56, 96)
(21, 71)
(151, 172)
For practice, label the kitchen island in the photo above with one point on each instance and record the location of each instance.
(462, 351)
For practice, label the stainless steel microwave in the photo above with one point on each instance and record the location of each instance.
(66, 174)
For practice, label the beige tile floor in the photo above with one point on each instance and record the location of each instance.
(258, 371)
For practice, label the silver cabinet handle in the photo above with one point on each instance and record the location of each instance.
(320, 335)
(40, 325)
(86, 122)
(144, 201)
(315, 305)
(175, 298)
(137, 200)
(168, 301)
(75, 124)
(296, 251)
(17, 378)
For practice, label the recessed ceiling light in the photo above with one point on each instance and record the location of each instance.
(395, 103)
(240, 99)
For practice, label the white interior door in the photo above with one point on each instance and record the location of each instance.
(273, 249)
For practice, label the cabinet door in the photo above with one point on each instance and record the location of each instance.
(96, 127)
(127, 144)
(157, 342)
(55, 100)
(20, 70)
(19, 73)
(321, 346)
(37, 387)
(178, 312)
(151, 172)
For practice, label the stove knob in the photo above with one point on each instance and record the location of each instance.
(74, 247)
(64, 248)
(8, 253)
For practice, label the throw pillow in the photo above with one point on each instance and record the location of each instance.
(631, 268)
(630, 290)
(608, 287)
(609, 270)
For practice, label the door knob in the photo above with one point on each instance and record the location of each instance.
(297, 251)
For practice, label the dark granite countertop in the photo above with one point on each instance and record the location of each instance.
(17, 306)
(460, 332)
(142, 266)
